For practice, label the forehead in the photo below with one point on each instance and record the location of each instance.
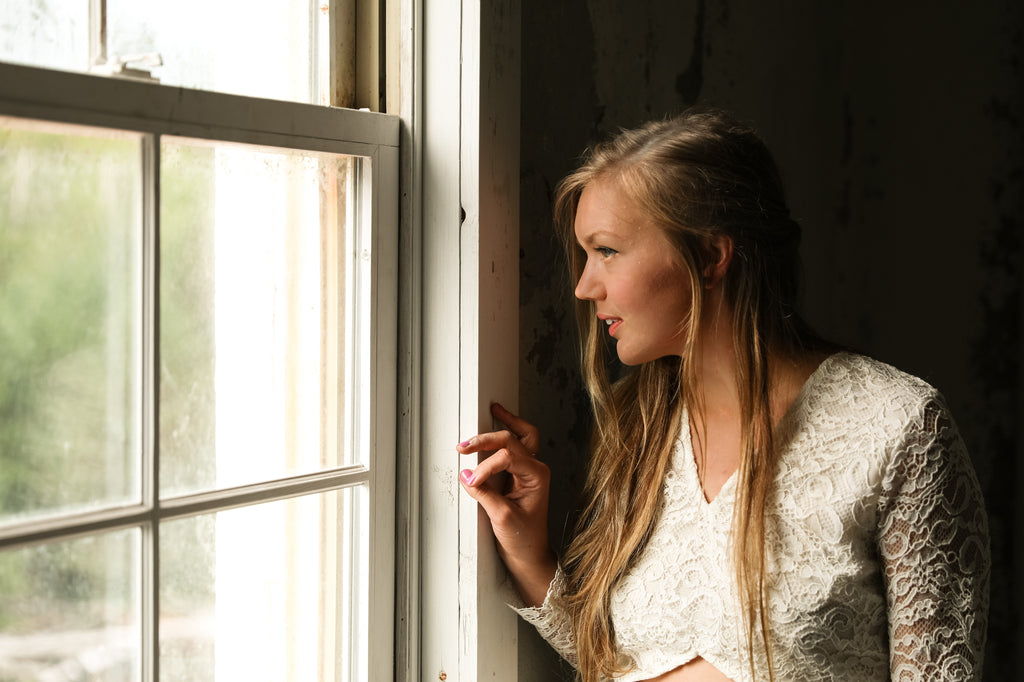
(604, 208)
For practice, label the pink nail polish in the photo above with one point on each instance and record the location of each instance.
(464, 443)
(467, 476)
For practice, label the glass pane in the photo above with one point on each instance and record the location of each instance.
(70, 610)
(253, 313)
(273, 592)
(260, 48)
(48, 33)
(70, 227)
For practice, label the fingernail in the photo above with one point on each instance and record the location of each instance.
(465, 443)
(467, 476)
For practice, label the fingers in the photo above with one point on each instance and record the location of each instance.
(517, 503)
(476, 488)
(526, 432)
(496, 440)
(525, 469)
(516, 506)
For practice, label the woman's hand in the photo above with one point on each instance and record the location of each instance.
(517, 506)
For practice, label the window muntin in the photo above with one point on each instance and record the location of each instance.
(162, 118)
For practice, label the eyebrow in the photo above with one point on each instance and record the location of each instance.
(598, 236)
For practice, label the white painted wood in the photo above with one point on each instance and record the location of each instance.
(408, 515)
(470, 161)
(383, 418)
(439, 396)
(489, 308)
(149, 107)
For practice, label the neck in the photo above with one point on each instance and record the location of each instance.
(717, 373)
(716, 369)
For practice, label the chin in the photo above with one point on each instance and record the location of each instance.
(632, 360)
(642, 358)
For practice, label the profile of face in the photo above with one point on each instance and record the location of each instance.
(632, 274)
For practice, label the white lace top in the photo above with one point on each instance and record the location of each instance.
(877, 539)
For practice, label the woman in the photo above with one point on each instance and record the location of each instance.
(759, 504)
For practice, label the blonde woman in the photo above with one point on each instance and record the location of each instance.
(759, 504)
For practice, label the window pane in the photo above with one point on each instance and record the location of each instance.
(47, 33)
(70, 610)
(70, 227)
(261, 48)
(253, 313)
(271, 592)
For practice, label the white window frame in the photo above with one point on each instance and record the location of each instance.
(460, 166)
(155, 110)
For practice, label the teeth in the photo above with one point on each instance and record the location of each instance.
(609, 322)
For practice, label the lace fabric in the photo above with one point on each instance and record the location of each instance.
(878, 556)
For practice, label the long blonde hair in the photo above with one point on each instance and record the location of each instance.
(698, 176)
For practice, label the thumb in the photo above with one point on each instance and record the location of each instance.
(494, 503)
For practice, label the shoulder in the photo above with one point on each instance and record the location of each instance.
(860, 373)
(849, 386)
(856, 404)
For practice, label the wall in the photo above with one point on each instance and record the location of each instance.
(899, 135)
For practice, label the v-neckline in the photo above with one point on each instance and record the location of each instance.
(730, 482)
(690, 456)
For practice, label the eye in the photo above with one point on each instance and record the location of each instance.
(605, 251)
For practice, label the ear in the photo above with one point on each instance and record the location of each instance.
(720, 256)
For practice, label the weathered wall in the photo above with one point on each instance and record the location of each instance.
(899, 134)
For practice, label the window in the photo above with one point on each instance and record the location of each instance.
(198, 374)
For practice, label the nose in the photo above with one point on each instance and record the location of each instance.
(589, 287)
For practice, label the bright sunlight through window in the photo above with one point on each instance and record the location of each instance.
(198, 374)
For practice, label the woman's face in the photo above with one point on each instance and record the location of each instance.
(632, 274)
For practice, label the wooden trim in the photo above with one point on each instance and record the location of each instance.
(393, 71)
(470, 176)
(409, 518)
(368, 55)
(172, 110)
(438, 133)
(490, 309)
(342, 17)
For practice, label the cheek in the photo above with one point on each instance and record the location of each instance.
(671, 289)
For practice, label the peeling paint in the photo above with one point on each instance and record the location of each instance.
(448, 483)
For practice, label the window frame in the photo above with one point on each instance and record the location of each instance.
(155, 110)
(460, 320)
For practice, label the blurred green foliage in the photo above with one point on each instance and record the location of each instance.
(69, 332)
(71, 227)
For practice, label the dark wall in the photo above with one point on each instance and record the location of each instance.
(899, 135)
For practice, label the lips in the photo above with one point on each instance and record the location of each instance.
(613, 323)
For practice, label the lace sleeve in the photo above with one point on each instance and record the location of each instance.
(933, 540)
(551, 621)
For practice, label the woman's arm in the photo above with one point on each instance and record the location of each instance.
(933, 539)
